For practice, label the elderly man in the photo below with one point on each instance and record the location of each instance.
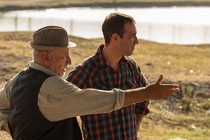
(39, 104)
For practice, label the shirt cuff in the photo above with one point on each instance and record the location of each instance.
(120, 97)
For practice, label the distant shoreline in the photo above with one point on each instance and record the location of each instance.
(109, 5)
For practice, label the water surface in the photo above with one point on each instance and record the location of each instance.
(185, 25)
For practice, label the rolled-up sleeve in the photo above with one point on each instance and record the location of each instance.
(59, 99)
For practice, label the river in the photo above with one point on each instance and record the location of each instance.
(184, 25)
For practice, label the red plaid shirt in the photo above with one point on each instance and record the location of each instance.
(94, 73)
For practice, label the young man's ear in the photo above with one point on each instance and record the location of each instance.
(115, 36)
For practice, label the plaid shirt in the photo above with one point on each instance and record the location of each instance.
(94, 73)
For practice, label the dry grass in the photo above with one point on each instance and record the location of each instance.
(165, 125)
(176, 62)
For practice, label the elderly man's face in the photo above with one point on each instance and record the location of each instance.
(59, 61)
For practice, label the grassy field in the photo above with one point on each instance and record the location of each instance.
(185, 117)
(176, 62)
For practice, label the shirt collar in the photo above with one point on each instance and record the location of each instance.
(100, 60)
(41, 68)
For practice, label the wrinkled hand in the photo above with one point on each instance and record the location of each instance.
(158, 90)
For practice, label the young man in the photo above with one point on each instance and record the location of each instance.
(111, 67)
(40, 105)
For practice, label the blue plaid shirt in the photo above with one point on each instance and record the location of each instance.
(94, 73)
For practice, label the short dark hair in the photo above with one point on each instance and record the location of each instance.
(114, 23)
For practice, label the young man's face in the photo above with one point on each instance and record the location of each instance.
(129, 40)
(59, 61)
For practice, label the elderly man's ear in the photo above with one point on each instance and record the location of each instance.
(44, 56)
